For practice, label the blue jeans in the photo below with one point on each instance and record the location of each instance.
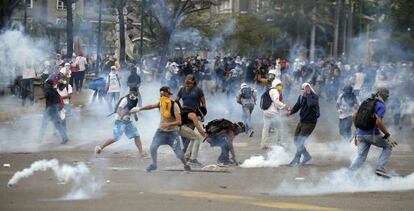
(364, 143)
(170, 138)
(247, 116)
(302, 132)
(27, 90)
(345, 126)
(52, 114)
(222, 142)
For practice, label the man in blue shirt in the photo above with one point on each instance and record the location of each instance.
(366, 138)
(193, 97)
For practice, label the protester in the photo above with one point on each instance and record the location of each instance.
(190, 119)
(271, 104)
(372, 131)
(52, 112)
(167, 131)
(308, 104)
(65, 92)
(123, 123)
(113, 87)
(346, 105)
(82, 63)
(192, 96)
(221, 133)
(28, 75)
(134, 81)
(246, 97)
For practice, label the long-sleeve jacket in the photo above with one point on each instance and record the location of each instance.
(309, 108)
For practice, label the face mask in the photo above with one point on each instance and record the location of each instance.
(132, 97)
(279, 87)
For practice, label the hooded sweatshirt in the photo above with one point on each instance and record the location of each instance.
(276, 97)
(308, 106)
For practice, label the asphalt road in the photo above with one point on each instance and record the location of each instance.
(121, 183)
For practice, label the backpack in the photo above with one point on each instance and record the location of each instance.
(246, 93)
(214, 127)
(365, 117)
(265, 100)
(130, 104)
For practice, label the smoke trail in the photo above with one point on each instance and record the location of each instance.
(276, 157)
(363, 181)
(84, 185)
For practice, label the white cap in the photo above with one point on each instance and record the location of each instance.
(243, 85)
(113, 68)
(67, 64)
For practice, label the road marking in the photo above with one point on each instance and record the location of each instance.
(249, 200)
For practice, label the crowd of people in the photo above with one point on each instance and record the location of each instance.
(247, 82)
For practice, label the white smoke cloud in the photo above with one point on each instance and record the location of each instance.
(362, 181)
(276, 157)
(84, 185)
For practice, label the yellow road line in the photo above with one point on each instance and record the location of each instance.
(248, 200)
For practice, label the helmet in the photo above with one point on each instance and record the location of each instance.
(243, 85)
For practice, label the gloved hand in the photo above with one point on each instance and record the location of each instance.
(392, 141)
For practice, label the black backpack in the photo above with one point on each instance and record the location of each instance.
(131, 104)
(246, 93)
(215, 127)
(365, 117)
(265, 100)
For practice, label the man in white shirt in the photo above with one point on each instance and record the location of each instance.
(65, 91)
(358, 81)
(123, 123)
(271, 115)
(81, 62)
(113, 87)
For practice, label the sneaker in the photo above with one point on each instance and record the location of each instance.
(293, 163)
(144, 155)
(152, 167)
(195, 161)
(251, 132)
(306, 160)
(64, 141)
(98, 150)
(187, 167)
(382, 173)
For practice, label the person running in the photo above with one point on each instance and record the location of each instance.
(271, 114)
(246, 97)
(123, 123)
(368, 131)
(166, 133)
(52, 112)
(346, 104)
(308, 104)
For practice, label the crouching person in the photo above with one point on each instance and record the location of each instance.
(167, 131)
(221, 133)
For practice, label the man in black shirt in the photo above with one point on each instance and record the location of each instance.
(308, 104)
(52, 112)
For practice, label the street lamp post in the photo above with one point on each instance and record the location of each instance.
(141, 42)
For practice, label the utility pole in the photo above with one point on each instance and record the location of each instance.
(141, 41)
(98, 44)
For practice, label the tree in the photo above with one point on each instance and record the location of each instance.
(6, 10)
(120, 8)
(169, 14)
(69, 27)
